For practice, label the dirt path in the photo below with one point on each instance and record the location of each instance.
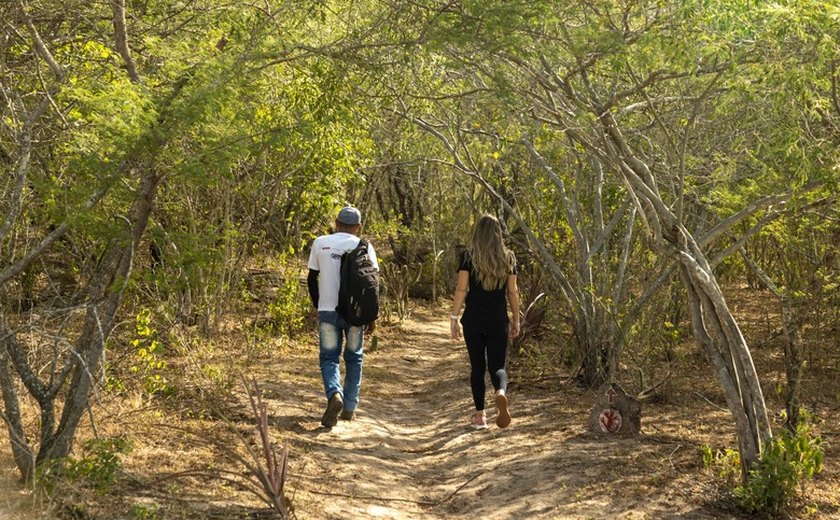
(410, 453)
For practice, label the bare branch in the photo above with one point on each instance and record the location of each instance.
(695, 111)
(19, 361)
(21, 265)
(121, 40)
(765, 202)
(40, 47)
(649, 102)
(762, 222)
(25, 136)
(25, 140)
(571, 218)
(835, 100)
(607, 230)
(21, 450)
(545, 255)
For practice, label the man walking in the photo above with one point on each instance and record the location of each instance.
(323, 282)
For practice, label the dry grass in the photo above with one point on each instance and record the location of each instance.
(409, 453)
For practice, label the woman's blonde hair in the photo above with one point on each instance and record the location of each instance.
(491, 260)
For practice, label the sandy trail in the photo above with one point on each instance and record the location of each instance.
(411, 454)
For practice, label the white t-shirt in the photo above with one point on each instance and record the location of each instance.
(325, 257)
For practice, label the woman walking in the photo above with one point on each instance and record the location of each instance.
(486, 275)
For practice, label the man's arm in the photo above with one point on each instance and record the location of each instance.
(312, 283)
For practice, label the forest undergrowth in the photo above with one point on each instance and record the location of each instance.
(179, 443)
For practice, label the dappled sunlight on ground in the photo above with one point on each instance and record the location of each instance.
(410, 453)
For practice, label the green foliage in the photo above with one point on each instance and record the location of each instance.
(99, 461)
(147, 355)
(310, 105)
(725, 463)
(143, 512)
(287, 313)
(113, 384)
(488, 24)
(787, 463)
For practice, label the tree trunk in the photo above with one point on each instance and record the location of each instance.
(715, 327)
(23, 457)
(791, 326)
(793, 364)
(106, 293)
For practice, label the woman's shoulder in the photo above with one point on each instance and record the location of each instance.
(464, 262)
(511, 260)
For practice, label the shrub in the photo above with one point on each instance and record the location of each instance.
(148, 350)
(726, 464)
(287, 313)
(98, 463)
(787, 463)
(142, 512)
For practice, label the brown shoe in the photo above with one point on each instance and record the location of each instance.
(503, 419)
(334, 406)
(347, 415)
(479, 421)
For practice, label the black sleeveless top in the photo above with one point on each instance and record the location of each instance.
(483, 309)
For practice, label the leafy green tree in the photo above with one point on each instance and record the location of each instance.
(118, 119)
(641, 90)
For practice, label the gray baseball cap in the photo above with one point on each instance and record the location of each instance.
(349, 216)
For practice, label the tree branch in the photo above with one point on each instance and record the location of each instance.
(580, 238)
(40, 47)
(835, 100)
(20, 180)
(121, 40)
(21, 265)
(764, 202)
(17, 433)
(19, 361)
(545, 255)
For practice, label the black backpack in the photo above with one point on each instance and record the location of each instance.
(358, 293)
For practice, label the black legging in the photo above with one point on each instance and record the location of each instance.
(486, 348)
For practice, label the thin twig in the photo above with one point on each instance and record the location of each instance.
(711, 403)
(671, 456)
(462, 486)
(395, 499)
(372, 497)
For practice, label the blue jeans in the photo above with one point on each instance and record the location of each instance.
(332, 331)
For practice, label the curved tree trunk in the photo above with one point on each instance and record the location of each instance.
(80, 364)
(714, 325)
(105, 294)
